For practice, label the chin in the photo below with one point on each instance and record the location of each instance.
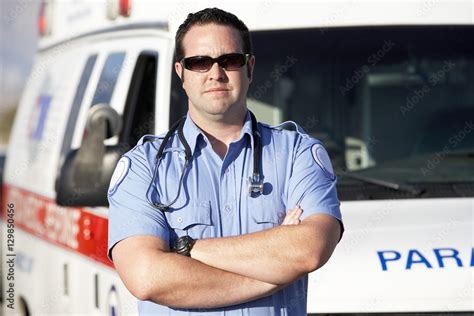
(215, 107)
(218, 107)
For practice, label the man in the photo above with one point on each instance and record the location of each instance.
(195, 241)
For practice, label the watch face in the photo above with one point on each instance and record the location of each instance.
(183, 245)
(182, 242)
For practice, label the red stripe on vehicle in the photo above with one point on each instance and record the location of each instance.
(69, 227)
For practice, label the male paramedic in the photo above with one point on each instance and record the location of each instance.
(222, 215)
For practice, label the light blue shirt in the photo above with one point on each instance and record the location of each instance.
(214, 201)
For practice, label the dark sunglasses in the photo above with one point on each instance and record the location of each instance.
(232, 61)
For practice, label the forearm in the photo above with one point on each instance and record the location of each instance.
(279, 255)
(183, 282)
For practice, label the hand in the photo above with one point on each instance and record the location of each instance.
(293, 216)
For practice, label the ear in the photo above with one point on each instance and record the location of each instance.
(250, 67)
(179, 70)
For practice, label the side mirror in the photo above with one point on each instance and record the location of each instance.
(84, 177)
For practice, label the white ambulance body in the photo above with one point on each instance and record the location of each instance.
(388, 87)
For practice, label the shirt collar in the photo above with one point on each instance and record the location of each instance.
(247, 128)
(191, 131)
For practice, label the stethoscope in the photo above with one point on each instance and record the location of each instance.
(255, 181)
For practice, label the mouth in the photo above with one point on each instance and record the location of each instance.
(217, 90)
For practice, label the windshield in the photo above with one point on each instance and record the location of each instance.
(391, 103)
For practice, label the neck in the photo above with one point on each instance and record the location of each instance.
(221, 130)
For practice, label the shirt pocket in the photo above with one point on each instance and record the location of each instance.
(193, 220)
(268, 212)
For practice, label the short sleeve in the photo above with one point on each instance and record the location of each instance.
(312, 184)
(130, 214)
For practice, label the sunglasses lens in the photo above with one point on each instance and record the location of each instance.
(232, 61)
(198, 63)
(204, 63)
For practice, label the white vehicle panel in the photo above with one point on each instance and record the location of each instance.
(38, 260)
(37, 136)
(414, 229)
(74, 18)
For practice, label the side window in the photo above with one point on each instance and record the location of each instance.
(108, 78)
(76, 103)
(138, 117)
(80, 167)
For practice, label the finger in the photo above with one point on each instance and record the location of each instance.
(293, 216)
(296, 212)
(291, 219)
(288, 220)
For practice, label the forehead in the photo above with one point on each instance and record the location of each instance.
(212, 40)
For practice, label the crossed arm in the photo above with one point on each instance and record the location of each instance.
(278, 256)
(226, 271)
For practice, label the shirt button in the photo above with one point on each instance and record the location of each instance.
(227, 208)
(227, 170)
(180, 219)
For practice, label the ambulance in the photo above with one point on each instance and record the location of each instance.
(388, 87)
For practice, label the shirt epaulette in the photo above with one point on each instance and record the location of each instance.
(297, 128)
(150, 138)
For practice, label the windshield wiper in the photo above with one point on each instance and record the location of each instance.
(460, 153)
(387, 184)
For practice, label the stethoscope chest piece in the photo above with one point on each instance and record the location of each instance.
(255, 185)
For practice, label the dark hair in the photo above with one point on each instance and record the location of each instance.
(207, 16)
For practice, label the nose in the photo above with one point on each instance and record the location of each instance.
(217, 72)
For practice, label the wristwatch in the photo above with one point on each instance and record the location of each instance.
(183, 246)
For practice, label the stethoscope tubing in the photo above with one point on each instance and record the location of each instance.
(256, 180)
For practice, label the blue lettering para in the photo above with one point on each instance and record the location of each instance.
(384, 260)
(472, 257)
(420, 259)
(453, 253)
